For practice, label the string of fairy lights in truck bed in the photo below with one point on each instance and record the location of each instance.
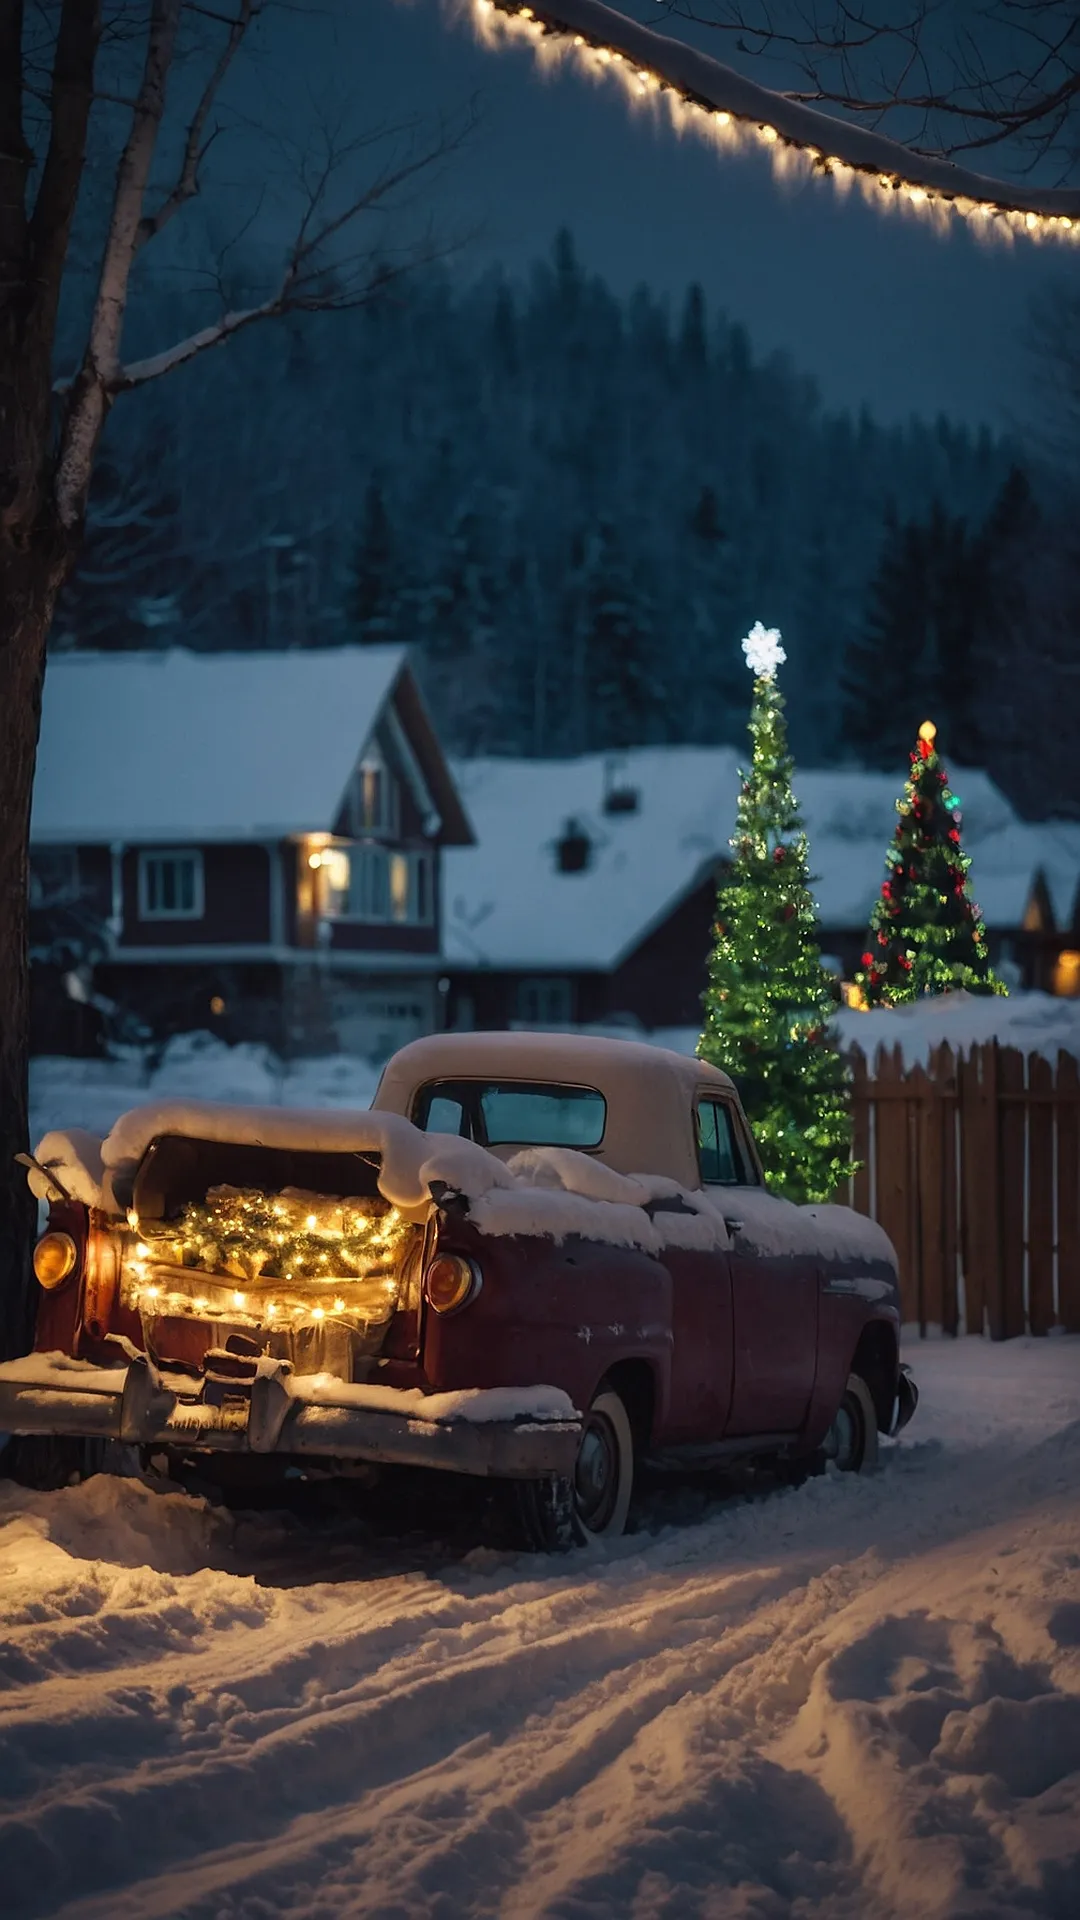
(285, 1260)
(706, 97)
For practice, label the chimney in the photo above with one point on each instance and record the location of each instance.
(619, 795)
(573, 848)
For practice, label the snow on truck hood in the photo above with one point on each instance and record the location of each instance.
(554, 1192)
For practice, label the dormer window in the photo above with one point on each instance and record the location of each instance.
(373, 800)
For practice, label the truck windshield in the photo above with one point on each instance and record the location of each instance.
(503, 1113)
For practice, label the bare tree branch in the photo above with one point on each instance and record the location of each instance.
(88, 402)
(864, 60)
(314, 278)
(195, 147)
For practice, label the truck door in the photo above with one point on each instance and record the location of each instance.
(774, 1286)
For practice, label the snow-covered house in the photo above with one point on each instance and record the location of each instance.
(589, 893)
(246, 842)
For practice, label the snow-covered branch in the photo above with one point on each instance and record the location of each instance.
(1005, 71)
(726, 103)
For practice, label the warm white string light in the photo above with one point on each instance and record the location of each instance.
(553, 38)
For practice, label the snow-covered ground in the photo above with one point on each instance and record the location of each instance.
(93, 1093)
(198, 1066)
(860, 1698)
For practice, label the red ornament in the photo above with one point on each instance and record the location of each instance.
(905, 962)
(883, 939)
(874, 976)
(925, 749)
(778, 855)
(886, 890)
(868, 959)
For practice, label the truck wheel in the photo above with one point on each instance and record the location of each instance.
(556, 1515)
(852, 1441)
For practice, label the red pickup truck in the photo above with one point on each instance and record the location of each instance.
(539, 1257)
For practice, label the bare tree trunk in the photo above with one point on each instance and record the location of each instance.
(35, 553)
(29, 582)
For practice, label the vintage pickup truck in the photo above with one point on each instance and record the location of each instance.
(539, 1257)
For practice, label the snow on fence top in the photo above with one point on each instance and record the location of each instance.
(1035, 1023)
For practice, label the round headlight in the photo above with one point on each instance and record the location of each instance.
(450, 1281)
(54, 1258)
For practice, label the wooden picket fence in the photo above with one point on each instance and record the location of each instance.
(972, 1166)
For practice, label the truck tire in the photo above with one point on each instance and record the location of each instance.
(852, 1441)
(555, 1515)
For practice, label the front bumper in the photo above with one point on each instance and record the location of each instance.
(273, 1414)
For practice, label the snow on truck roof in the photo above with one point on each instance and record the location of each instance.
(209, 746)
(649, 1091)
(508, 904)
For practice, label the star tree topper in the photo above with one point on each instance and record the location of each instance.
(763, 651)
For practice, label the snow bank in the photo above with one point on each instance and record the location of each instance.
(92, 1094)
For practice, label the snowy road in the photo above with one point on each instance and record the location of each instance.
(861, 1698)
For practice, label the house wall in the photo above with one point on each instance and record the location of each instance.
(236, 887)
(659, 985)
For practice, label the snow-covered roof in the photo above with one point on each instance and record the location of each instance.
(507, 904)
(204, 746)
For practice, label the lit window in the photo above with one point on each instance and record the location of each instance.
(374, 798)
(1066, 979)
(400, 887)
(373, 885)
(170, 886)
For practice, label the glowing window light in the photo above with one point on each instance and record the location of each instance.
(1066, 976)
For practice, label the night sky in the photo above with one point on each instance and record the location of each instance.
(879, 309)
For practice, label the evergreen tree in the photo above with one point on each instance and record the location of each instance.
(917, 646)
(373, 606)
(926, 934)
(769, 1000)
(624, 703)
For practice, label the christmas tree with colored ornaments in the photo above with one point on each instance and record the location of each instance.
(769, 1000)
(926, 934)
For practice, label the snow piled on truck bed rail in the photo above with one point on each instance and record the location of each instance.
(858, 1700)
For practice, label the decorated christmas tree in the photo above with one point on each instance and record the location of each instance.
(926, 934)
(769, 1000)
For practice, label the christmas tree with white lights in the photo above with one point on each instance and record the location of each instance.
(769, 1000)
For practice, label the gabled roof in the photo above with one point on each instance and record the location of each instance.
(508, 905)
(219, 746)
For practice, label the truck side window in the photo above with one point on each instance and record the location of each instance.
(718, 1150)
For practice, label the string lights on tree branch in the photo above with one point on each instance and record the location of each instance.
(705, 96)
